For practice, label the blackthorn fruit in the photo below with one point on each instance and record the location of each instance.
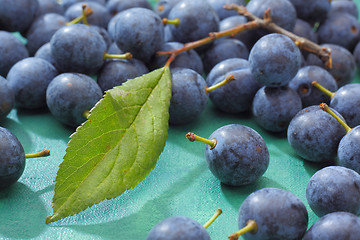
(7, 98)
(235, 96)
(278, 214)
(29, 79)
(273, 108)
(12, 160)
(139, 31)
(78, 48)
(188, 96)
(17, 15)
(70, 95)
(315, 135)
(12, 50)
(223, 49)
(197, 20)
(178, 228)
(302, 84)
(312, 11)
(333, 189)
(274, 60)
(236, 154)
(335, 226)
(223, 68)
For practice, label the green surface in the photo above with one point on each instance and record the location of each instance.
(180, 184)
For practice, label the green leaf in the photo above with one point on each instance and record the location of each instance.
(117, 147)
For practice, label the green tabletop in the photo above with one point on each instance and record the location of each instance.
(180, 184)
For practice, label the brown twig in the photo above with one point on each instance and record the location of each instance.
(302, 43)
(255, 22)
(212, 36)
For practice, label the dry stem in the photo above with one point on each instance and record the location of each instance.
(255, 22)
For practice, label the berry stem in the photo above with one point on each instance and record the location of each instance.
(118, 56)
(212, 219)
(85, 13)
(175, 21)
(324, 90)
(85, 21)
(193, 137)
(326, 108)
(43, 153)
(228, 78)
(251, 226)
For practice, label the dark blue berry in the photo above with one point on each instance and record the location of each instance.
(312, 11)
(236, 96)
(315, 135)
(349, 150)
(29, 79)
(197, 20)
(42, 29)
(304, 29)
(69, 95)
(116, 6)
(139, 31)
(344, 6)
(274, 60)
(334, 189)
(343, 64)
(67, 3)
(273, 108)
(12, 158)
(12, 50)
(163, 7)
(279, 214)
(44, 52)
(223, 68)
(346, 101)
(100, 15)
(78, 48)
(17, 16)
(223, 49)
(114, 73)
(239, 157)
(49, 6)
(189, 98)
(302, 84)
(178, 228)
(341, 29)
(283, 12)
(247, 36)
(7, 98)
(218, 5)
(335, 226)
